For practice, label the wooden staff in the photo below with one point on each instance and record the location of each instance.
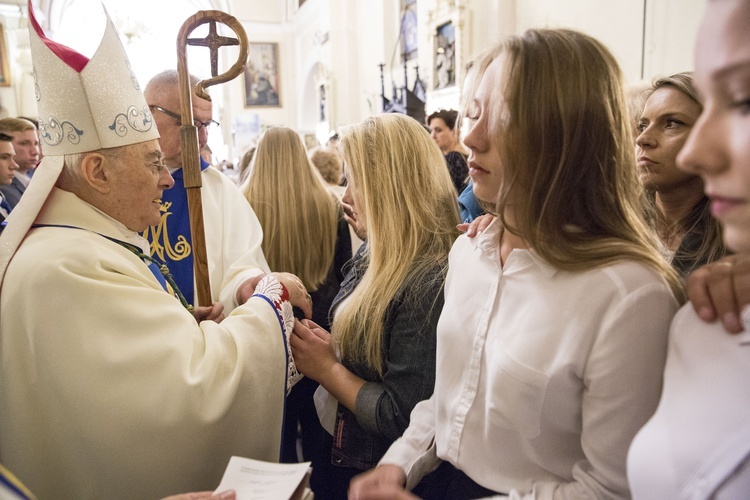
(189, 132)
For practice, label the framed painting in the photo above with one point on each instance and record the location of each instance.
(409, 34)
(4, 66)
(262, 76)
(445, 56)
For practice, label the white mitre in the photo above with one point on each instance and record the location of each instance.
(84, 105)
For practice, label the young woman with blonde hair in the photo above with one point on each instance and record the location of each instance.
(298, 213)
(304, 233)
(387, 310)
(552, 339)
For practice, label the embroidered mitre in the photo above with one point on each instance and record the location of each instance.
(86, 105)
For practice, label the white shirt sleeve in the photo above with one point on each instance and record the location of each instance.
(415, 451)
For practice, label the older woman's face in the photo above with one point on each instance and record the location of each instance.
(443, 135)
(664, 126)
(718, 148)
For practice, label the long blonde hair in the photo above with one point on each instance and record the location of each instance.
(408, 203)
(298, 213)
(562, 123)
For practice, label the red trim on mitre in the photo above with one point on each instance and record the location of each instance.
(66, 54)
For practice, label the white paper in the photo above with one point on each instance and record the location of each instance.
(257, 480)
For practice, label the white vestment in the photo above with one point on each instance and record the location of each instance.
(233, 238)
(109, 388)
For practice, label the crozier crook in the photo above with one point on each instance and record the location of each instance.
(188, 130)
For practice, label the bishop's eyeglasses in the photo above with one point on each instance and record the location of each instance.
(156, 166)
(198, 124)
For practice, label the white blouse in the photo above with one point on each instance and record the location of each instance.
(544, 376)
(697, 445)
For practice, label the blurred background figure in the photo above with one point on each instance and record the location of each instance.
(243, 169)
(330, 165)
(304, 233)
(8, 170)
(677, 207)
(25, 142)
(445, 133)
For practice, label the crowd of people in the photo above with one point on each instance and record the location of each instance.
(583, 339)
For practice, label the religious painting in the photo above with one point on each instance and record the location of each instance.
(445, 56)
(409, 35)
(4, 66)
(262, 75)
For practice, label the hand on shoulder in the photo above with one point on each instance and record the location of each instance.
(721, 290)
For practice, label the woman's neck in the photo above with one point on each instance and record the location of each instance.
(674, 205)
(508, 243)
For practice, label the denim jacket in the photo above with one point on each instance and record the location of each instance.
(384, 404)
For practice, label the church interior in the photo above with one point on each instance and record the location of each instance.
(412, 249)
(321, 64)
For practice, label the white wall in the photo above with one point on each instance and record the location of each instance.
(666, 47)
(671, 26)
(259, 11)
(616, 23)
(670, 35)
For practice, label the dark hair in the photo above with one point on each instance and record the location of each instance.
(332, 139)
(5, 137)
(449, 116)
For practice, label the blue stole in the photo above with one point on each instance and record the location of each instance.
(11, 487)
(171, 241)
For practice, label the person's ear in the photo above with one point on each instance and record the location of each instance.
(95, 171)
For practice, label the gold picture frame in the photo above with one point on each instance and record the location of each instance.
(262, 82)
(4, 66)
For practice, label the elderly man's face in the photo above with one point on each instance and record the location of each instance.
(169, 127)
(138, 179)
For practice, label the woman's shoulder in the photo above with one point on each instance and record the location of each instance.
(628, 273)
(456, 155)
(630, 280)
(690, 334)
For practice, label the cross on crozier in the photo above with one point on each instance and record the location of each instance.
(213, 41)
